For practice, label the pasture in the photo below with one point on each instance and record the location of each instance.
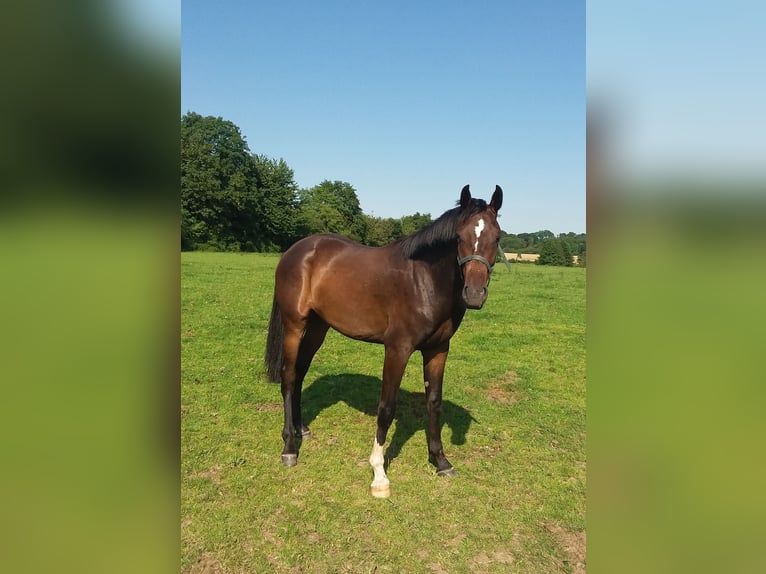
(513, 426)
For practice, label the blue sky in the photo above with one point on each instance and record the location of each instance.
(684, 81)
(406, 101)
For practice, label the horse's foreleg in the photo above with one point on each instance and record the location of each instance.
(393, 369)
(433, 376)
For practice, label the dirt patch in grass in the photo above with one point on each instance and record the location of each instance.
(205, 565)
(268, 407)
(506, 390)
(482, 561)
(572, 545)
(213, 474)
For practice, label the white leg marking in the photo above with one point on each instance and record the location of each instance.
(478, 229)
(380, 486)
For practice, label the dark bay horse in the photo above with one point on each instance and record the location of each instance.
(410, 295)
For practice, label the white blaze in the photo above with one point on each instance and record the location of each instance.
(478, 229)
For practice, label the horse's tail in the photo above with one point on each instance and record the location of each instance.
(274, 355)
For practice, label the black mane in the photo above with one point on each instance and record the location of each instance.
(439, 234)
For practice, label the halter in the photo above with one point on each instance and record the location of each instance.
(464, 260)
(490, 266)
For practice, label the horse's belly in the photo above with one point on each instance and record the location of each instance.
(354, 313)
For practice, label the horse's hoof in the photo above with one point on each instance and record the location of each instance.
(448, 472)
(289, 459)
(305, 432)
(381, 491)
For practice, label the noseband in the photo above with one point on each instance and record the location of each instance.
(464, 260)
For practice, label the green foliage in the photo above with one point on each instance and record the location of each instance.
(524, 242)
(511, 243)
(332, 207)
(382, 231)
(575, 243)
(278, 202)
(411, 223)
(566, 252)
(232, 200)
(218, 199)
(555, 252)
(514, 427)
(533, 242)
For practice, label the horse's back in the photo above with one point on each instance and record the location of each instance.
(319, 250)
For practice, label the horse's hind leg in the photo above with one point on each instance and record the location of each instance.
(291, 344)
(316, 330)
(302, 341)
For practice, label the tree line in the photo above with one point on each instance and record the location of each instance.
(235, 200)
(553, 249)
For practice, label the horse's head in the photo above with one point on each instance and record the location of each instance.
(478, 236)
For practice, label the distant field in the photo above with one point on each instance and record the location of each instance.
(514, 428)
(532, 257)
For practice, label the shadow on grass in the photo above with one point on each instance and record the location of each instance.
(362, 392)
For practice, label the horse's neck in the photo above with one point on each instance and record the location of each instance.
(444, 271)
(448, 281)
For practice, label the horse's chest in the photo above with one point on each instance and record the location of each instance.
(440, 332)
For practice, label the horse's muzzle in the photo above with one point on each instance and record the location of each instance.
(474, 297)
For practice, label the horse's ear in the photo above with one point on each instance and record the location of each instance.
(465, 197)
(497, 198)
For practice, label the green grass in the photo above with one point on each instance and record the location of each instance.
(514, 428)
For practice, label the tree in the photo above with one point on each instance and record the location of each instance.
(511, 243)
(528, 242)
(332, 207)
(380, 231)
(566, 253)
(575, 242)
(277, 198)
(411, 223)
(218, 202)
(552, 253)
